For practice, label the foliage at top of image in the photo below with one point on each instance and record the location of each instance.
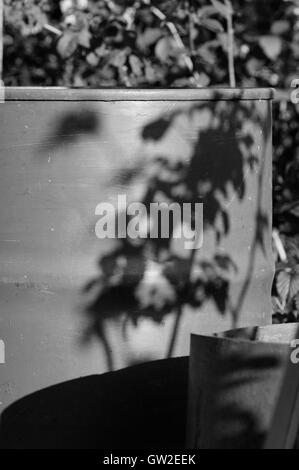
(148, 43)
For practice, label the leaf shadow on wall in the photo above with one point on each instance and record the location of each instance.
(72, 125)
(147, 278)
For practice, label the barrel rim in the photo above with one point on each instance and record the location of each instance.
(274, 331)
(131, 94)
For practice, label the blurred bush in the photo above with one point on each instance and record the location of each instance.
(162, 43)
(148, 42)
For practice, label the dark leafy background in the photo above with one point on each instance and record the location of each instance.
(163, 43)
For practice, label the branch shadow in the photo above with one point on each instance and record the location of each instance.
(222, 153)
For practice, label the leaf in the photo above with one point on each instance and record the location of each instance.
(92, 59)
(294, 284)
(271, 45)
(207, 10)
(150, 73)
(254, 66)
(283, 285)
(82, 4)
(207, 54)
(66, 5)
(101, 51)
(224, 10)
(84, 38)
(149, 37)
(202, 79)
(223, 41)
(136, 65)
(119, 58)
(288, 284)
(295, 211)
(162, 49)
(212, 25)
(277, 306)
(280, 27)
(165, 48)
(67, 45)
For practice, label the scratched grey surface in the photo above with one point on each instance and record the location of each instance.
(48, 248)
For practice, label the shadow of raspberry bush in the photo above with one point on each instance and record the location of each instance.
(161, 43)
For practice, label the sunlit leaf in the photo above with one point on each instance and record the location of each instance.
(92, 59)
(202, 79)
(280, 27)
(149, 37)
(277, 306)
(84, 38)
(271, 45)
(254, 65)
(67, 45)
(212, 25)
(150, 73)
(224, 10)
(207, 54)
(166, 47)
(288, 283)
(283, 285)
(136, 65)
(207, 10)
(294, 284)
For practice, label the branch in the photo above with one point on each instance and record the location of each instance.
(230, 34)
(179, 311)
(52, 29)
(235, 310)
(174, 32)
